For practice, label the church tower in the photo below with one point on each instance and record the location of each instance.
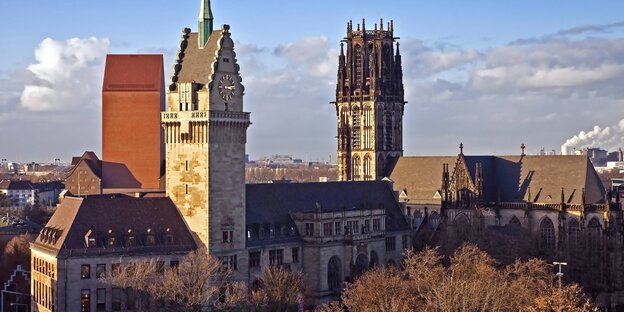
(369, 102)
(205, 135)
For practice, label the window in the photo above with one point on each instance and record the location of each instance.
(85, 300)
(116, 299)
(115, 268)
(547, 234)
(168, 239)
(276, 257)
(186, 189)
(390, 243)
(309, 229)
(100, 270)
(366, 226)
(356, 134)
(295, 255)
(353, 226)
(130, 241)
(376, 225)
(327, 229)
(150, 239)
(228, 236)
(254, 259)
(229, 262)
(358, 64)
(334, 274)
(160, 267)
(226, 60)
(573, 233)
(337, 227)
(186, 165)
(101, 300)
(130, 299)
(85, 271)
(174, 264)
(404, 241)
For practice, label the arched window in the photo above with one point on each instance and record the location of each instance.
(367, 168)
(462, 226)
(547, 234)
(434, 220)
(574, 227)
(334, 274)
(361, 265)
(514, 222)
(356, 130)
(368, 123)
(389, 131)
(594, 234)
(358, 64)
(374, 260)
(356, 168)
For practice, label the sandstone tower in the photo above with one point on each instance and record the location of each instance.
(205, 136)
(369, 102)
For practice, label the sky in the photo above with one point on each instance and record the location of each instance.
(491, 74)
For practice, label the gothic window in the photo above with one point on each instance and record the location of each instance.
(356, 129)
(389, 131)
(374, 260)
(367, 168)
(547, 234)
(594, 230)
(367, 123)
(361, 265)
(462, 226)
(358, 64)
(434, 220)
(574, 227)
(356, 168)
(514, 222)
(334, 274)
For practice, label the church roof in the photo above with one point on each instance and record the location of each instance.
(192, 62)
(133, 72)
(513, 177)
(75, 217)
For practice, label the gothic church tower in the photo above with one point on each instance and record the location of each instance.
(205, 136)
(369, 102)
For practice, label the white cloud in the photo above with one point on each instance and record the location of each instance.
(67, 74)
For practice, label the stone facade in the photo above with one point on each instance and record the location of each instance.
(369, 102)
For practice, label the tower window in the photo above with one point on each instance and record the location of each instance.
(358, 64)
(356, 129)
(226, 60)
(389, 133)
(187, 166)
(186, 189)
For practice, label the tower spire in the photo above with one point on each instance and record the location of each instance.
(205, 23)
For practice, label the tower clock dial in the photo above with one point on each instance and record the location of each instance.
(226, 87)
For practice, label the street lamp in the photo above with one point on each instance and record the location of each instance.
(560, 274)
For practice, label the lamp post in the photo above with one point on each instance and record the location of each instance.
(560, 274)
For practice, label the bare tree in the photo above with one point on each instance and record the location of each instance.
(471, 281)
(278, 290)
(198, 281)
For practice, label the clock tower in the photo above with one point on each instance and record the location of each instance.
(205, 135)
(369, 102)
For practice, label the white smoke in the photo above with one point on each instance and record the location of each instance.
(67, 74)
(609, 138)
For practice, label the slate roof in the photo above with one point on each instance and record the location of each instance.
(274, 202)
(15, 185)
(510, 176)
(76, 216)
(133, 72)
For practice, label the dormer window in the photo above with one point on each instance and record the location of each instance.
(111, 240)
(90, 239)
(130, 239)
(168, 237)
(150, 238)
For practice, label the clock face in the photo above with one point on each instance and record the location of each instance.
(226, 87)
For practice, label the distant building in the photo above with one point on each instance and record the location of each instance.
(88, 237)
(85, 178)
(616, 156)
(19, 193)
(597, 156)
(15, 293)
(133, 95)
(48, 192)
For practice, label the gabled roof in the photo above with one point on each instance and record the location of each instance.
(511, 178)
(75, 217)
(91, 160)
(195, 64)
(133, 72)
(273, 203)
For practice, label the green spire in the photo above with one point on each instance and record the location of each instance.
(205, 23)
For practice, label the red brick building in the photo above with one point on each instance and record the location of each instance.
(133, 96)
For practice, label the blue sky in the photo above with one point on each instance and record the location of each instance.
(468, 76)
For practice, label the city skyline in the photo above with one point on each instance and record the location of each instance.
(567, 63)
